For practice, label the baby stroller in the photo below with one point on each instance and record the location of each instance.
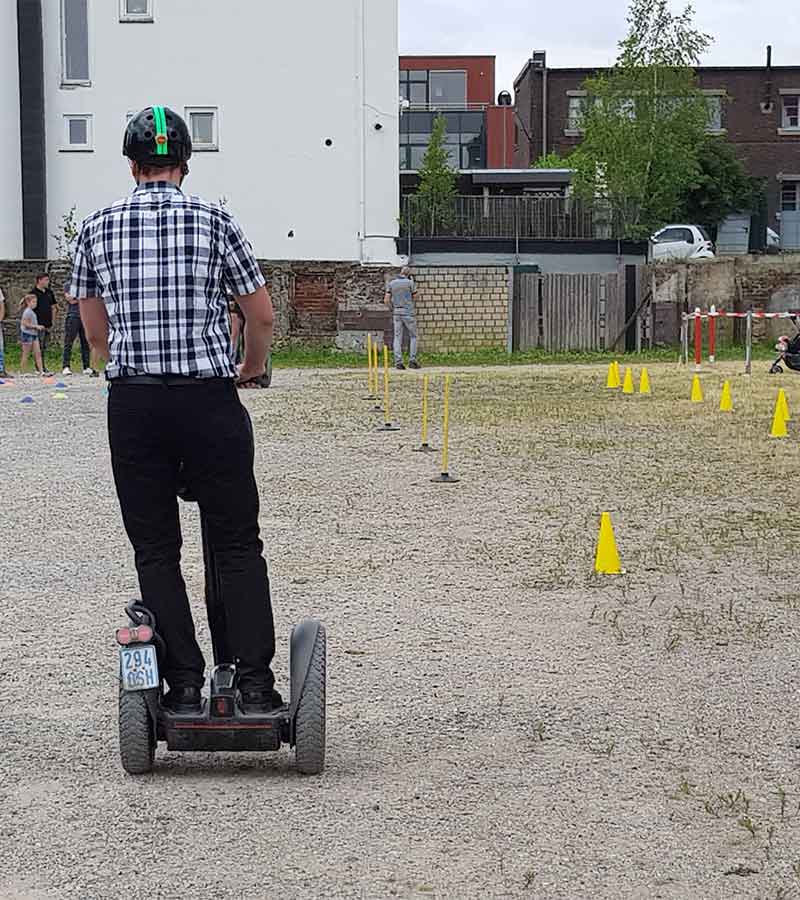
(789, 349)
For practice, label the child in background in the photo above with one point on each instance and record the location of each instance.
(29, 330)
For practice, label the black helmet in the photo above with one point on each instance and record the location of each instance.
(157, 136)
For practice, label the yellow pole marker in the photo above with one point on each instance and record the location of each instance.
(644, 382)
(726, 400)
(697, 390)
(612, 381)
(387, 422)
(779, 429)
(374, 390)
(627, 387)
(446, 477)
(369, 368)
(425, 446)
(606, 560)
(784, 405)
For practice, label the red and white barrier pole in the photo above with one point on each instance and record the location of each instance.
(698, 339)
(712, 333)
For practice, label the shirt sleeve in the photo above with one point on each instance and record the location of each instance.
(242, 272)
(83, 283)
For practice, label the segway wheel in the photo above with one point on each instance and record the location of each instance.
(310, 719)
(776, 370)
(137, 741)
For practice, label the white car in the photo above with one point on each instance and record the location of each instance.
(681, 242)
(773, 240)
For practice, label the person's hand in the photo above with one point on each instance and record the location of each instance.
(247, 375)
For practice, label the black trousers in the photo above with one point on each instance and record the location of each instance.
(73, 328)
(153, 429)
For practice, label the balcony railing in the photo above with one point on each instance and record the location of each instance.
(447, 107)
(520, 218)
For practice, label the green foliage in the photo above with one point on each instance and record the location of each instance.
(719, 187)
(66, 236)
(432, 207)
(552, 161)
(644, 122)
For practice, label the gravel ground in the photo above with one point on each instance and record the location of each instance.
(502, 723)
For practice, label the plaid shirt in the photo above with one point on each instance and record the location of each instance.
(162, 262)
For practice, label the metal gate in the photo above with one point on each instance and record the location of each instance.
(568, 312)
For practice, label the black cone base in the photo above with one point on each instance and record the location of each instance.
(445, 478)
(373, 398)
(387, 426)
(425, 448)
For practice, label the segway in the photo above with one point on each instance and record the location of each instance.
(221, 725)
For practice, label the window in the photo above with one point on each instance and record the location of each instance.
(714, 104)
(77, 133)
(791, 111)
(203, 127)
(575, 112)
(74, 42)
(674, 235)
(448, 89)
(136, 10)
(465, 139)
(790, 196)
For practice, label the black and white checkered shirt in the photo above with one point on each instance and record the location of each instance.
(162, 262)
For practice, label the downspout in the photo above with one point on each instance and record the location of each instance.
(362, 52)
(544, 109)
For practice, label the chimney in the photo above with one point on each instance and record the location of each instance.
(767, 104)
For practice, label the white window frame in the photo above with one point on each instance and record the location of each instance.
(796, 185)
(204, 148)
(789, 129)
(722, 95)
(75, 82)
(125, 16)
(66, 146)
(569, 131)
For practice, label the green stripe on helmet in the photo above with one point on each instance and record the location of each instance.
(160, 122)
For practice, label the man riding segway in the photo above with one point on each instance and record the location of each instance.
(151, 273)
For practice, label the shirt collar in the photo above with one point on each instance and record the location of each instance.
(157, 186)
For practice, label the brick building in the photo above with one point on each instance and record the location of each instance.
(462, 89)
(757, 108)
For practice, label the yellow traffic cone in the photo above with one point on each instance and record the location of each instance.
(778, 422)
(619, 373)
(627, 387)
(726, 401)
(783, 403)
(697, 390)
(607, 558)
(612, 382)
(644, 382)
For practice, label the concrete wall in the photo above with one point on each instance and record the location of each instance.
(10, 173)
(283, 86)
(462, 308)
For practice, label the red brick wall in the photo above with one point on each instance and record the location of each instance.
(500, 137)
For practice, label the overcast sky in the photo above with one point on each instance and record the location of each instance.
(585, 32)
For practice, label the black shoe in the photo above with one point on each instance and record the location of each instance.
(400, 366)
(183, 700)
(414, 365)
(259, 702)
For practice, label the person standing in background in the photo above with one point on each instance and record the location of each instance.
(73, 328)
(46, 308)
(399, 298)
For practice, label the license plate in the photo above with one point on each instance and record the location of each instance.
(138, 667)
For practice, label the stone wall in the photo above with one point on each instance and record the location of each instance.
(19, 278)
(769, 283)
(462, 308)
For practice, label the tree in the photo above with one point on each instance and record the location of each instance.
(66, 236)
(433, 204)
(644, 121)
(552, 161)
(719, 187)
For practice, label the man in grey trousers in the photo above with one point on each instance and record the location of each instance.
(400, 293)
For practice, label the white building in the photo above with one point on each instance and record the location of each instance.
(293, 109)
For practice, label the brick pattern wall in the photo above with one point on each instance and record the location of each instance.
(462, 308)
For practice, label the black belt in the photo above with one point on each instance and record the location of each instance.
(168, 380)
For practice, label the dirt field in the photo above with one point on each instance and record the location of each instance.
(502, 723)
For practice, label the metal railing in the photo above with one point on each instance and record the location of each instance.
(448, 107)
(520, 218)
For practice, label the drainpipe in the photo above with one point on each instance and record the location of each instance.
(362, 129)
(544, 109)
